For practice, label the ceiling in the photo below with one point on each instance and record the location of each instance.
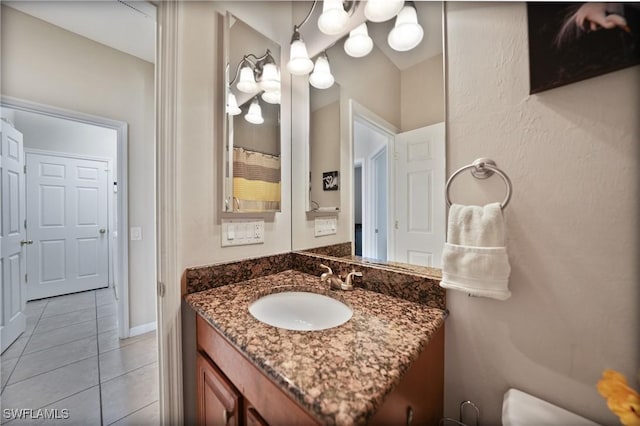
(125, 25)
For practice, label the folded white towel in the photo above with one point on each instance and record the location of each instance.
(474, 259)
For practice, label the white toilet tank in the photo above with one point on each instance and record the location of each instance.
(522, 409)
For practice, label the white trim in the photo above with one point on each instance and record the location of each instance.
(167, 205)
(142, 329)
(122, 245)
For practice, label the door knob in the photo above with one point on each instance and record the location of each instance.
(102, 230)
(26, 242)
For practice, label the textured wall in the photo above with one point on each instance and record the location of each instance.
(572, 225)
(46, 64)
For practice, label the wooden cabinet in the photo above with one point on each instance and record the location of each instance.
(218, 400)
(264, 403)
(248, 397)
(419, 397)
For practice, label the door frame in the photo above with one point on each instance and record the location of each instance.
(121, 245)
(110, 201)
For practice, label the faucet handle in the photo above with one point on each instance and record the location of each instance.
(327, 268)
(325, 276)
(348, 281)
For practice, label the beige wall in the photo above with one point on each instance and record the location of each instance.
(422, 94)
(572, 225)
(199, 135)
(48, 65)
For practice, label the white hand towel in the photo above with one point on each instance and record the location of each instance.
(474, 259)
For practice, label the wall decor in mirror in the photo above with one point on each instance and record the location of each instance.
(386, 111)
(252, 169)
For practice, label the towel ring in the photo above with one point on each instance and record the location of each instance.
(482, 168)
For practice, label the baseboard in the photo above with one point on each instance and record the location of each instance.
(141, 329)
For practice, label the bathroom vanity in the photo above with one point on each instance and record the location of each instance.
(383, 366)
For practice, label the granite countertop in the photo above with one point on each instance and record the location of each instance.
(340, 375)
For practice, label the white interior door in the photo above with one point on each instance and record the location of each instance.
(12, 259)
(380, 190)
(419, 196)
(67, 220)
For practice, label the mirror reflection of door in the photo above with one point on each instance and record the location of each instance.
(380, 189)
(370, 146)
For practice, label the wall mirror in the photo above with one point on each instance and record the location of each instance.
(391, 111)
(252, 164)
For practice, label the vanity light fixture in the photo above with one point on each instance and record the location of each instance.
(254, 115)
(247, 82)
(405, 35)
(269, 76)
(407, 32)
(232, 104)
(321, 77)
(382, 10)
(359, 43)
(272, 97)
(299, 62)
(257, 73)
(334, 18)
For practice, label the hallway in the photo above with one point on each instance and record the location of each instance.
(70, 358)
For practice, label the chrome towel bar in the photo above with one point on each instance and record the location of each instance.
(482, 168)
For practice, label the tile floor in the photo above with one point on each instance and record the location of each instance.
(70, 358)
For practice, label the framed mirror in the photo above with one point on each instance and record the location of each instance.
(252, 136)
(392, 115)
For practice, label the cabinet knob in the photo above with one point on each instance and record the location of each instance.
(102, 230)
(26, 242)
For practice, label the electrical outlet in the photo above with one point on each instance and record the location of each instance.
(240, 232)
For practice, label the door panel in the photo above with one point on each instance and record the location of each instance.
(380, 204)
(419, 196)
(67, 221)
(12, 260)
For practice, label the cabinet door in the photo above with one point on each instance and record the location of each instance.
(218, 400)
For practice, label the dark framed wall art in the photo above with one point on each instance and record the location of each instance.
(569, 42)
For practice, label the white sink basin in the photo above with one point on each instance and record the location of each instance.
(299, 310)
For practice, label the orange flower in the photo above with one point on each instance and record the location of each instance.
(622, 400)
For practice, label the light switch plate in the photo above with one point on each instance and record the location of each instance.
(242, 232)
(326, 225)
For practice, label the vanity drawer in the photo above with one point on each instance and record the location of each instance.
(271, 405)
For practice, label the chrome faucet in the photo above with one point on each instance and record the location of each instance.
(334, 280)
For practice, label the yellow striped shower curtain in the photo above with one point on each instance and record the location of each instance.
(256, 180)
